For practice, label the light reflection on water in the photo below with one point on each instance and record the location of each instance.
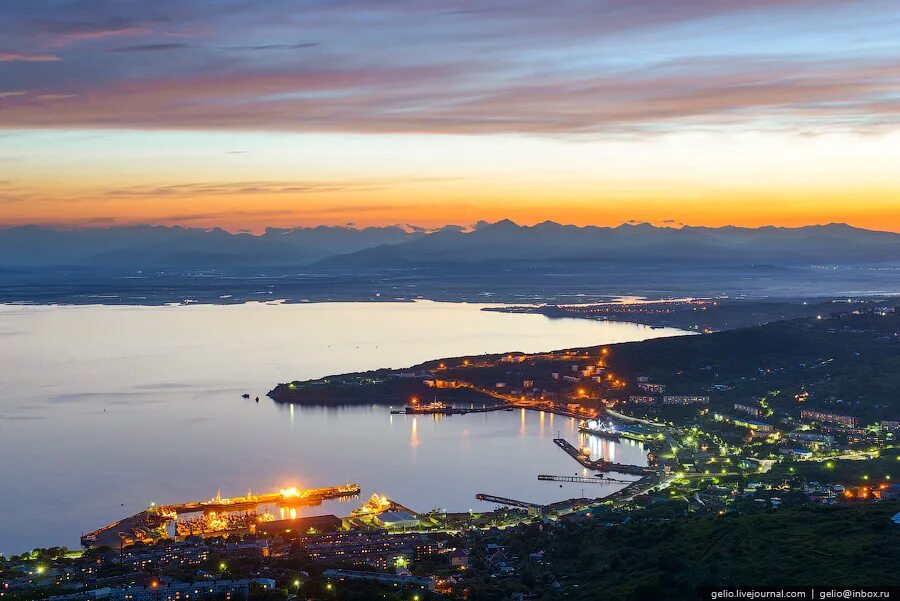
(105, 409)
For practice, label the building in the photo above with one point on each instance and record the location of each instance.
(890, 425)
(177, 591)
(797, 453)
(740, 422)
(173, 554)
(459, 559)
(436, 383)
(643, 399)
(376, 549)
(748, 409)
(811, 438)
(396, 519)
(846, 421)
(652, 388)
(300, 526)
(397, 579)
(885, 492)
(97, 593)
(685, 400)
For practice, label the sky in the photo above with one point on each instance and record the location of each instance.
(245, 114)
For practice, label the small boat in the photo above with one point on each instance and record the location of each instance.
(245, 395)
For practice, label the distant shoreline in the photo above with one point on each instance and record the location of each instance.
(515, 286)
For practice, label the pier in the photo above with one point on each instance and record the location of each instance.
(447, 410)
(598, 479)
(286, 496)
(600, 464)
(510, 502)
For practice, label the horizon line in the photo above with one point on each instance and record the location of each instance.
(413, 228)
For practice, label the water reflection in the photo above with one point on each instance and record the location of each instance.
(620, 450)
(414, 433)
(86, 381)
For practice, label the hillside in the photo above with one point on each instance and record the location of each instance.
(841, 546)
(847, 362)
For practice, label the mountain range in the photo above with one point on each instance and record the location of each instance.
(486, 246)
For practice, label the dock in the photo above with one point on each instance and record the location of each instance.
(598, 479)
(284, 497)
(150, 524)
(426, 410)
(509, 502)
(601, 465)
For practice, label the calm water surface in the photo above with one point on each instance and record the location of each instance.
(104, 409)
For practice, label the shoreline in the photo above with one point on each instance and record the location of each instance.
(689, 315)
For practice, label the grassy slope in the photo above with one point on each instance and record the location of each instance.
(856, 545)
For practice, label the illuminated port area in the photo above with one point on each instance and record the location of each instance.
(673, 447)
(218, 516)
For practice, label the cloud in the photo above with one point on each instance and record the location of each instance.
(152, 47)
(443, 99)
(61, 33)
(17, 57)
(192, 190)
(214, 215)
(55, 96)
(276, 46)
(456, 67)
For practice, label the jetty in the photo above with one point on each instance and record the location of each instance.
(598, 479)
(439, 408)
(601, 465)
(509, 502)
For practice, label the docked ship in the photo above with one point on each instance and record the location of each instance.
(375, 505)
(294, 496)
(433, 407)
(218, 503)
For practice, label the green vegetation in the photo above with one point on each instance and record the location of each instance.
(847, 546)
(846, 363)
(885, 468)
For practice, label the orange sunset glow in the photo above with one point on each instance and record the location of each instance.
(708, 114)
